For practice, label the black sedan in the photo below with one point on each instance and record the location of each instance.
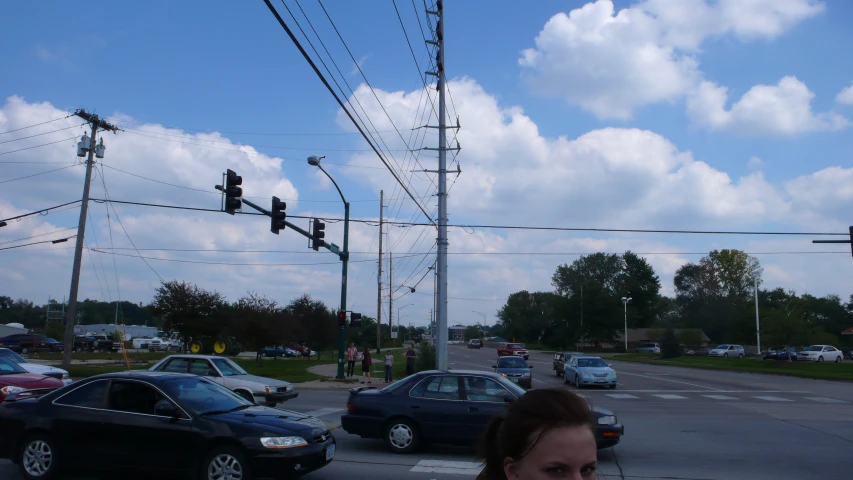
(444, 407)
(156, 423)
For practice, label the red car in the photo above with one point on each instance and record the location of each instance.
(14, 379)
(513, 350)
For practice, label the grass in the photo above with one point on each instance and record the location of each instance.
(824, 371)
(115, 356)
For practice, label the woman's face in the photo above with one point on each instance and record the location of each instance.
(563, 453)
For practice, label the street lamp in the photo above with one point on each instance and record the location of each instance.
(484, 316)
(314, 161)
(625, 301)
(755, 275)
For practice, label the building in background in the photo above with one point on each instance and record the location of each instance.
(456, 333)
(128, 331)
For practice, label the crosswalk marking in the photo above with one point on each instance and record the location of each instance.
(720, 397)
(825, 400)
(323, 411)
(670, 397)
(772, 399)
(620, 395)
(448, 467)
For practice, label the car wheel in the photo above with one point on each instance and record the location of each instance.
(838, 359)
(577, 381)
(725, 355)
(740, 355)
(565, 379)
(612, 387)
(401, 436)
(246, 395)
(38, 458)
(25, 350)
(225, 463)
(820, 358)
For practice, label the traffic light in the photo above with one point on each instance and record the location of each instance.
(355, 319)
(278, 215)
(318, 234)
(851, 240)
(342, 318)
(233, 192)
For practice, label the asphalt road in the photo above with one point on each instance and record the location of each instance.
(679, 424)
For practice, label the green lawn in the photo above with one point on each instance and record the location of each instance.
(825, 371)
(117, 356)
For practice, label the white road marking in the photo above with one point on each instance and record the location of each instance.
(450, 468)
(323, 411)
(670, 397)
(668, 380)
(825, 400)
(701, 391)
(720, 397)
(620, 395)
(773, 399)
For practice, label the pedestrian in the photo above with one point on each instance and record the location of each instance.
(389, 365)
(544, 434)
(410, 360)
(351, 354)
(366, 362)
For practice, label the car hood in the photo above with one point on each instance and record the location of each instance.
(596, 369)
(29, 381)
(718, 350)
(273, 419)
(42, 369)
(254, 379)
(512, 370)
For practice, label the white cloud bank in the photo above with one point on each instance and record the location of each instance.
(845, 96)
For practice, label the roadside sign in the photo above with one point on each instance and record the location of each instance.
(334, 249)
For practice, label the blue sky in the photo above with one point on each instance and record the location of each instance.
(660, 114)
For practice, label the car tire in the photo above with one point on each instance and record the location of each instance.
(820, 358)
(25, 350)
(725, 355)
(838, 359)
(38, 459)
(401, 435)
(612, 387)
(577, 381)
(565, 379)
(246, 395)
(220, 462)
(740, 355)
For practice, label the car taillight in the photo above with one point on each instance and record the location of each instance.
(350, 407)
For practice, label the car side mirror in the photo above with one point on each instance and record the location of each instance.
(165, 408)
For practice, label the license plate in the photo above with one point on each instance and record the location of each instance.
(514, 380)
(601, 380)
(330, 452)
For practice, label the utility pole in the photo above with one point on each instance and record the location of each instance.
(379, 277)
(85, 145)
(390, 290)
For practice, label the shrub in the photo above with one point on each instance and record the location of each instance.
(670, 348)
(426, 357)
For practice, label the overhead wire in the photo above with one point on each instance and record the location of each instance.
(38, 212)
(37, 243)
(250, 133)
(37, 146)
(36, 236)
(43, 133)
(36, 125)
(265, 264)
(112, 243)
(40, 173)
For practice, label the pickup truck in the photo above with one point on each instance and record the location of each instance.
(513, 350)
(96, 343)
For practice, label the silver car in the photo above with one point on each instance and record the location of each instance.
(648, 348)
(224, 371)
(727, 351)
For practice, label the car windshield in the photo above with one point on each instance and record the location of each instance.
(514, 345)
(511, 386)
(813, 348)
(591, 362)
(228, 368)
(8, 367)
(6, 353)
(721, 347)
(512, 363)
(202, 396)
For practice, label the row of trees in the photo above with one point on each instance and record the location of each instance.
(715, 294)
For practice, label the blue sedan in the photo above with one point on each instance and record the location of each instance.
(516, 370)
(589, 371)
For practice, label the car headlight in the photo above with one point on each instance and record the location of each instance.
(11, 389)
(525, 374)
(288, 388)
(64, 377)
(585, 374)
(269, 389)
(283, 442)
(607, 420)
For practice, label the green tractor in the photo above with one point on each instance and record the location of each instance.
(220, 345)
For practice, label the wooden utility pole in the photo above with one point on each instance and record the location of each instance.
(379, 277)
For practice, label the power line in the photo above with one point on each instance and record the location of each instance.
(251, 133)
(341, 104)
(37, 212)
(44, 133)
(58, 240)
(40, 173)
(36, 125)
(36, 236)
(226, 263)
(37, 146)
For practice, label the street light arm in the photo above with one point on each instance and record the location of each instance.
(333, 182)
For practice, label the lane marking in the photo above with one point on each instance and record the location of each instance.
(825, 400)
(720, 397)
(772, 399)
(620, 395)
(323, 411)
(668, 380)
(448, 467)
(670, 397)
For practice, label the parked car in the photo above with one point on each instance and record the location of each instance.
(821, 353)
(648, 348)
(444, 407)
(726, 350)
(688, 351)
(46, 370)
(792, 352)
(303, 350)
(163, 344)
(95, 343)
(156, 423)
(475, 343)
(561, 359)
(55, 345)
(274, 351)
(513, 350)
(593, 371)
(772, 352)
(702, 352)
(14, 380)
(289, 352)
(27, 343)
(515, 370)
(224, 371)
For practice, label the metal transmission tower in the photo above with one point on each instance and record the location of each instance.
(441, 271)
(85, 146)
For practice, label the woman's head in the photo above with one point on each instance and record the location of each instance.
(366, 351)
(544, 434)
(388, 352)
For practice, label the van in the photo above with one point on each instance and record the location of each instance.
(648, 347)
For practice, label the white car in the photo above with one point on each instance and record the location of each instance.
(821, 353)
(727, 351)
(45, 370)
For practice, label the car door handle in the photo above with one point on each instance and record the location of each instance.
(473, 409)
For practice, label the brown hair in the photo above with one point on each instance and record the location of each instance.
(514, 433)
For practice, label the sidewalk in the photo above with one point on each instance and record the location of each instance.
(329, 382)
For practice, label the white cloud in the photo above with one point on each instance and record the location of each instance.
(845, 96)
(611, 63)
(755, 162)
(781, 109)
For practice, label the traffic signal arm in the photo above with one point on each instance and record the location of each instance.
(291, 226)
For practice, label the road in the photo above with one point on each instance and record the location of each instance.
(679, 424)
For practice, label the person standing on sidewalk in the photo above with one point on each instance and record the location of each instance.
(410, 361)
(366, 362)
(389, 365)
(351, 353)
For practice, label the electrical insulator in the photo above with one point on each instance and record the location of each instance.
(84, 145)
(99, 150)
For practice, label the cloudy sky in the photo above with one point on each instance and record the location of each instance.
(718, 115)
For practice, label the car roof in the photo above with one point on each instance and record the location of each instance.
(144, 375)
(191, 355)
(588, 357)
(460, 372)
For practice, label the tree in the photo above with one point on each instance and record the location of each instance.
(639, 281)
(472, 332)
(316, 324)
(691, 337)
(602, 269)
(254, 317)
(670, 348)
(188, 309)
